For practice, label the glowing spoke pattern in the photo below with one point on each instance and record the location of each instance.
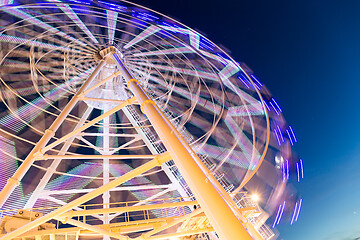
(27, 113)
(146, 33)
(226, 115)
(18, 40)
(6, 2)
(34, 20)
(111, 21)
(165, 51)
(196, 73)
(73, 16)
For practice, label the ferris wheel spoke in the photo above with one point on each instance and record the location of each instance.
(191, 72)
(28, 17)
(75, 18)
(231, 126)
(152, 29)
(19, 40)
(54, 165)
(111, 21)
(246, 110)
(175, 50)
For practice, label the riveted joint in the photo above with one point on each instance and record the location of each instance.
(69, 215)
(131, 80)
(64, 220)
(157, 160)
(146, 102)
(50, 132)
(13, 180)
(129, 101)
(81, 96)
(38, 154)
(160, 159)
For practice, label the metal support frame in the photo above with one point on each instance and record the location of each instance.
(49, 133)
(49, 173)
(157, 161)
(214, 201)
(222, 218)
(153, 226)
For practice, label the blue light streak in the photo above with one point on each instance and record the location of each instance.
(297, 215)
(242, 80)
(282, 211)
(302, 169)
(292, 133)
(81, 2)
(287, 131)
(297, 171)
(274, 108)
(294, 213)
(283, 171)
(253, 77)
(258, 87)
(277, 137)
(277, 215)
(287, 169)
(281, 135)
(116, 7)
(206, 47)
(276, 104)
(267, 106)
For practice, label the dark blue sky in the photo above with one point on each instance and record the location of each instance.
(308, 55)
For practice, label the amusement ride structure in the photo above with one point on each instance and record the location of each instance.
(118, 122)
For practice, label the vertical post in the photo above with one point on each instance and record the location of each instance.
(222, 218)
(50, 170)
(49, 133)
(106, 167)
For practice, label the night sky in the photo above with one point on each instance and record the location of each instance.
(308, 54)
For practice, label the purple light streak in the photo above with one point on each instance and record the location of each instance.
(287, 169)
(267, 106)
(277, 137)
(293, 133)
(276, 104)
(280, 132)
(277, 215)
(287, 131)
(302, 169)
(282, 211)
(283, 171)
(297, 215)
(294, 213)
(257, 81)
(297, 170)
(274, 108)
(242, 80)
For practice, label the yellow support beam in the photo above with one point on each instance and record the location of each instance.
(216, 208)
(71, 214)
(95, 229)
(49, 133)
(83, 127)
(157, 161)
(88, 157)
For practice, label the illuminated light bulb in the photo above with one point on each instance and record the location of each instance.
(255, 197)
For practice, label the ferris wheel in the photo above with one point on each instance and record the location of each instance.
(117, 121)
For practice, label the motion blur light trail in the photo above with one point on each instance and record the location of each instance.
(215, 105)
